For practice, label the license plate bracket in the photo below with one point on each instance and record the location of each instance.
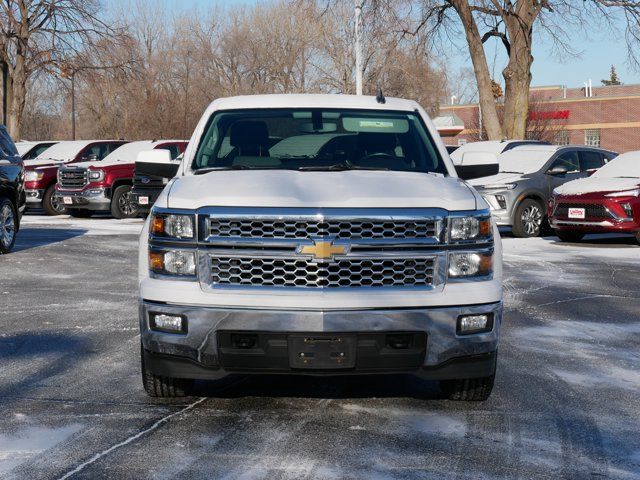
(322, 351)
(67, 200)
(577, 213)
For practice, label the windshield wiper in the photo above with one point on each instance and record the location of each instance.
(202, 171)
(507, 171)
(338, 167)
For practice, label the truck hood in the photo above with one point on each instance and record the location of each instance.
(497, 179)
(100, 164)
(597, 184)
(45, 162)
(351, 189)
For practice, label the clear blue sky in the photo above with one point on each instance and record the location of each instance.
(598, 52)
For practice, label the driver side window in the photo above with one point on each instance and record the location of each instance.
(568, 160)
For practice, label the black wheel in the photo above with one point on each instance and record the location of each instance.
(569, 236)
(157, 386)
(122, 205)
(638, 237)
(50, 205)
(80, 213)
(8, 225)
(469, 389)
(528, 219)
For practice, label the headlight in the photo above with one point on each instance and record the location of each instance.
(626, 193)
(506, 186)
(96, 175)
(33, 176)
(173, 262)
(469, 228)
(470, 264)
(170, 225)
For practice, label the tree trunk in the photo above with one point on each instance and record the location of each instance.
(490, 120)
(517, 73)
(18, 98)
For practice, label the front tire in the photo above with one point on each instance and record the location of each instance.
(50, 205)
(528, 219)
(122, 205)
(159, 386)
(8, 225)
(638, 237)
(569, 236)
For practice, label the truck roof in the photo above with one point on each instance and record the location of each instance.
(128, 152)
(65, 150)
(311, 101)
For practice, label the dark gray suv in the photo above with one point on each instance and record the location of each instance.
(519, 193)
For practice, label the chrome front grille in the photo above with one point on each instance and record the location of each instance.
(72, 178)
(321, 248)
(278, 228)
(302, 272)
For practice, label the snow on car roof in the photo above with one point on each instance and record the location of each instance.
(311, 101)
(495, 147)
(129, 151)
(64, 151)
(526, 159)
(625, 165)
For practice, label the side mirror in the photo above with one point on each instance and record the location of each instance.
(156, 163)
(558, 171)
(477, 165)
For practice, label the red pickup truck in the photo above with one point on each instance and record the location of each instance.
(105, 186)
(41, 173)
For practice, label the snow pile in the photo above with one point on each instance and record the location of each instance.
(622, 173)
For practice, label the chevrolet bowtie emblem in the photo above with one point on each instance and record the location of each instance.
(322, 250)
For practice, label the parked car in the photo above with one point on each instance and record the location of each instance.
(318, 234)
(42, 173)
(105, 186)
(30, 150)
(12, 197)
(519, 193)
(147, 188)
(606, 202)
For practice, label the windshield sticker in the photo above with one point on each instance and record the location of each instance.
(386, 125)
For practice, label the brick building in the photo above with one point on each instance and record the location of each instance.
(601, 116)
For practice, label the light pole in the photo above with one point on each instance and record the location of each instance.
(358, 46)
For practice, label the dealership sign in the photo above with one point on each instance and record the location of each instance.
(549, 115)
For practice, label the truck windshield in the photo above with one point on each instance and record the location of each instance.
(317, 140)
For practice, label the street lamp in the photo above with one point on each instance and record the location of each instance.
(358, 46)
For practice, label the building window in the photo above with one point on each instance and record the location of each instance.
(562, 137)
(592, 137)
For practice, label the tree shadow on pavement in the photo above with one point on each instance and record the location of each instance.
(47, 354)
(38, 237)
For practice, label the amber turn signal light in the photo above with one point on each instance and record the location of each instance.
(157, 225)
(156, 261)
(485, 228)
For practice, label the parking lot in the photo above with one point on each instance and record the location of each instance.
(565, 404)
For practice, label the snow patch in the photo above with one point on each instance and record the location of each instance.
(19, 447)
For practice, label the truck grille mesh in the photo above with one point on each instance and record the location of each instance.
(301, 272)
(591, 210)
(304, 229)
(75, 178)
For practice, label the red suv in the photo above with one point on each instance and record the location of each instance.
(41, 173)
(606, 202)
(105, 186)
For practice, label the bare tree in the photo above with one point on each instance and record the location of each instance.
(36, 34)
(515, 24)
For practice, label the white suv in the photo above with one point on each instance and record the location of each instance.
(318, 234)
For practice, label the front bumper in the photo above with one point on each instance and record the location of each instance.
(200, 353)
(34, 198)
(94, 199)
(145, 197)
(501, 203)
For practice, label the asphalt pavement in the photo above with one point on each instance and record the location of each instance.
(566, 402)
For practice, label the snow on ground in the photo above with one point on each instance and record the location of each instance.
(90, 226)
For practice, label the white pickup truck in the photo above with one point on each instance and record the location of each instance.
(318, 235)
